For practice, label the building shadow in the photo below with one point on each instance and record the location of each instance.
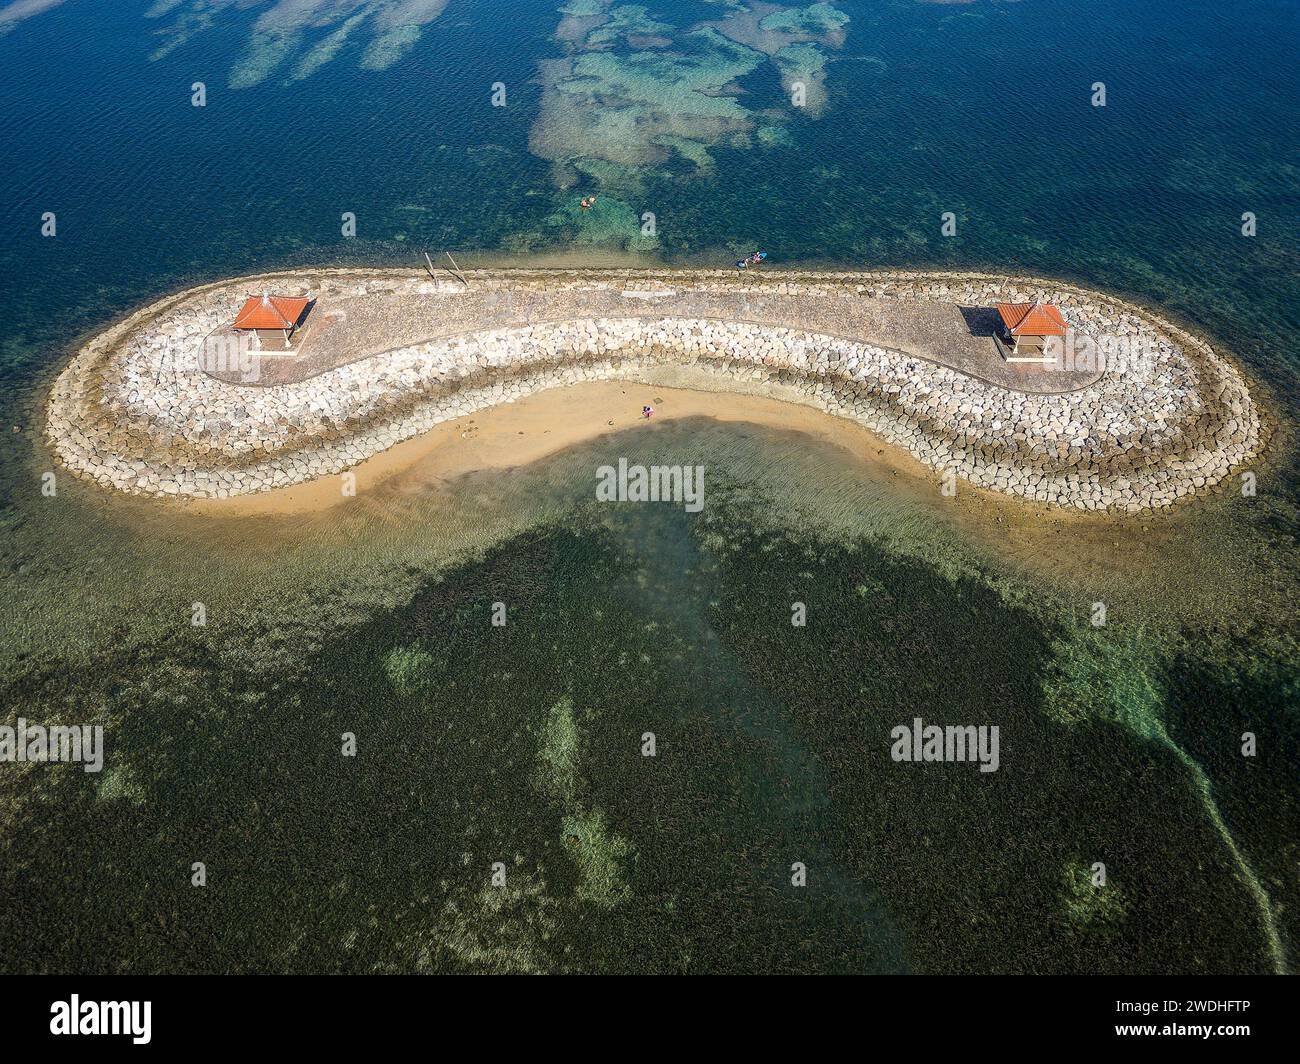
(981, 321)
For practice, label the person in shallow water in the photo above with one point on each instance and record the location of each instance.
(587, 202)
(752, 260)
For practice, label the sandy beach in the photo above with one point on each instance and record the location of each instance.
(1039, 537)
(545, 423)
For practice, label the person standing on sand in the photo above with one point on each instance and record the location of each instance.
(647, 412)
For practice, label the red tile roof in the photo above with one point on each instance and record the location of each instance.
(1033, 319)
(271, 312)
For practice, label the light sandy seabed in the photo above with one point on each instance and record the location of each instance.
(538, 426)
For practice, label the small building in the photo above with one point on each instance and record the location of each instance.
(271, 317)
(1028, 327)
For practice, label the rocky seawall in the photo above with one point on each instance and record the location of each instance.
(138, 411)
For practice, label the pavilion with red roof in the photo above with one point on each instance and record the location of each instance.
(1028, 326)
(268, 314)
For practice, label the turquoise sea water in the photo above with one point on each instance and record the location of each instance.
(482, 744)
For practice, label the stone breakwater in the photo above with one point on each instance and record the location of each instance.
(134, 412)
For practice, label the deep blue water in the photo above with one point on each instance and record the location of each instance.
(982, 109)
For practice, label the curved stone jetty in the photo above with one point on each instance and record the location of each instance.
(387, 354)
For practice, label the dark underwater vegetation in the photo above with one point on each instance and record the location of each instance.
(522, 744)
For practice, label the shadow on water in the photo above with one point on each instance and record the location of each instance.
(988, 871)
(522, 744)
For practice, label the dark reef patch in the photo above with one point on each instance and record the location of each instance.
(522, 744)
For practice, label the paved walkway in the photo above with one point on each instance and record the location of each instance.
(345, 329)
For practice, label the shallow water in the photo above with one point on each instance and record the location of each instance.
(522, 744)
